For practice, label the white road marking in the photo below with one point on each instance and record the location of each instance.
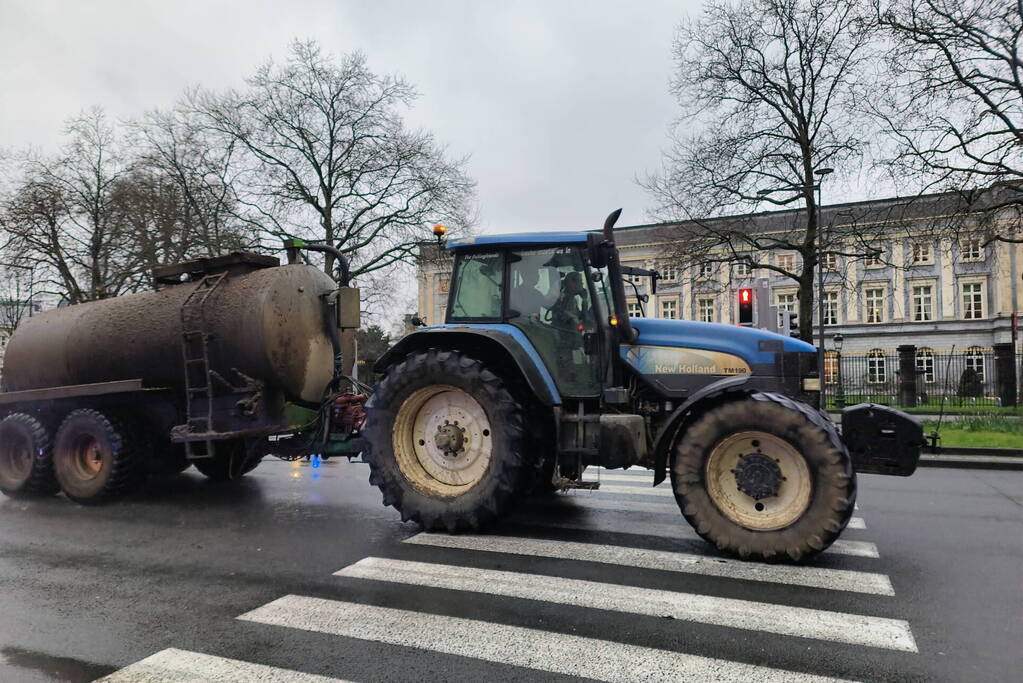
(514, 645)
(686, 563)
(681, 529)
(854, 629)
(594, 500)
(637, 476)
(181, 666)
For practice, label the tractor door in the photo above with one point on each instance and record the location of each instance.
(549, 300)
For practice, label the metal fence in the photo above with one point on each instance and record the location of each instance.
(959, 379)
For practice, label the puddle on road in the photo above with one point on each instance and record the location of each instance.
(64, 669)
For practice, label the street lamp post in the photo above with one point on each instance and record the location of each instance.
(839, 389)
(820, 173)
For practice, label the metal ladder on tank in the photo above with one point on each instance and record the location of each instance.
(198, 387)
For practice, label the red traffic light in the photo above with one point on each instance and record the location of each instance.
(746, 307)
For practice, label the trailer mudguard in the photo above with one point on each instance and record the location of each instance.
(733, 385)
(494, 341)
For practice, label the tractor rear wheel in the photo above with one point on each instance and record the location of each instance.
(26, 457)
(97, 456)
(445, 441)
(231, 460)
(764, 477)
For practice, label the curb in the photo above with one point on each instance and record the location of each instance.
(977, 462)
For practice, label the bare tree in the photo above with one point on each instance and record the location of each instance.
(954, 102)
(766, 89)
(327, 156)
(185, 169)
(60, 219)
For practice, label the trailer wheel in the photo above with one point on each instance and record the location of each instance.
(97, 456)
(764, 477)
(231, 460)
(26, 457)
(445, 441)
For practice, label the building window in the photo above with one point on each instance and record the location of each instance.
(785, 302)
(975, 361)
(669, 272)
(875, 259)
(830, 367)
(830, 308)
(830, 261)
(635, 310)
(742, 269)
(922, 253)
(923, 303)
(973, 301)
(669, 309)
(874, 299)
(972, 249)
(877, 371)
(925, 364)
(706, 271)
(787, 262)
(706, 309)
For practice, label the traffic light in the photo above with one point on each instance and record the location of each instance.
(746, 307)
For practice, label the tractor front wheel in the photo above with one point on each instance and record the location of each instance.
(445, 441)
(764, 477)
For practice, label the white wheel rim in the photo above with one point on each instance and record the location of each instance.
(767, 514)
(442, 440)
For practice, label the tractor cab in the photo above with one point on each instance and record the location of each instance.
(544, 288)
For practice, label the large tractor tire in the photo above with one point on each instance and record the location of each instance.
(231, 460)
(98, 456)
(764, 477)
(26, 457)
(445, 441)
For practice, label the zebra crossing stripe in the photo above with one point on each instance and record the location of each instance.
(892, 634)
(598, 502)
(682, 529)
(684, 563)
(181, 666)
(513, 645)
(635, 476)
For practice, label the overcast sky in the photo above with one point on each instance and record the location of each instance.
(559, 104)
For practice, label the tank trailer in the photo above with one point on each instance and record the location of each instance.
(537, 373)
(229, 359)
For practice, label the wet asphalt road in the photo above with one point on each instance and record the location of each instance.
(87, 591)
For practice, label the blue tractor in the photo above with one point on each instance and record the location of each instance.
(538, 372)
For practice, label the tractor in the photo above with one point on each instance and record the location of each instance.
(538, 372)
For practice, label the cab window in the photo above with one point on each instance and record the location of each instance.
(549, 300)
(477, 291)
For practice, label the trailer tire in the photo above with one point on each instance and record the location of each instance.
(462, 474)
(231, 460)
(26, 457)
(98, 456)
(764, 447)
